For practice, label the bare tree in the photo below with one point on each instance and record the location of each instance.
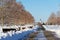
(58, 17)
(14, 13)
(52, 19)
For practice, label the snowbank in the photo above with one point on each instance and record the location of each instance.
(18, 35)
(53, 28)
(14, 35)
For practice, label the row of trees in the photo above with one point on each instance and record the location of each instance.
(13, 13)
(54, 18)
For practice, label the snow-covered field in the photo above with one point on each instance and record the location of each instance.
(53, 28)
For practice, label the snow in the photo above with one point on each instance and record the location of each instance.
(17, 32)
(0, 29)
(41, 37)
(4, 35)
(18, 35)
(14, 35)
(53, 28)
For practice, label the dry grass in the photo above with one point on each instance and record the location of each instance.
(49, 35)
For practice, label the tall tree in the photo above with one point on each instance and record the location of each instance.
(52, 19)
(14, 13)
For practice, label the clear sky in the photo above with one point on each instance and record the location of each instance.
(41, 9)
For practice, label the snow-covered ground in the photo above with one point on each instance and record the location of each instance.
(53, 28)
(14, 35)
(40, 36)
(18, 35)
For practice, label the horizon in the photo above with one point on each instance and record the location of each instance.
(41, 9)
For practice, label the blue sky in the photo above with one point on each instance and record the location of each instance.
(41, 9)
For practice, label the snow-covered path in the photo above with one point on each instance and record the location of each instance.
(40, 36)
